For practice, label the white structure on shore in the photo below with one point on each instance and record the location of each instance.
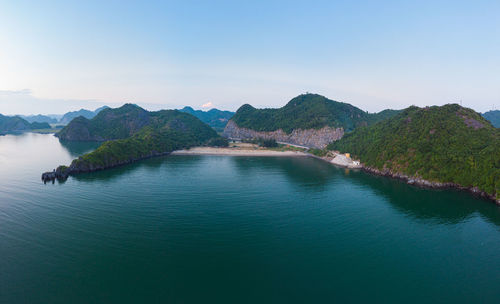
(345, 160)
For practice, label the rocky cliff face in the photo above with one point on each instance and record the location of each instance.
(312, 138)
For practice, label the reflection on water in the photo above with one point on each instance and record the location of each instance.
(311, 175)
(77, 148)
(444, 206)
(302, 171)
(150, 165)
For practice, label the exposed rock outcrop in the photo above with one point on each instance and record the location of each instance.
(61, 174)
(312, 138)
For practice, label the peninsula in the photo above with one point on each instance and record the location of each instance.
(130, 134)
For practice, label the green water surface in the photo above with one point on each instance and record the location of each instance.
(221, 229)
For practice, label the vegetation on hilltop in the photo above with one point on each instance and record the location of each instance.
(263, 142)
(109, 124)
(307, 111)
(218, 142)
(121, 123)
(382, 115)
(39, 125)
(447, 144)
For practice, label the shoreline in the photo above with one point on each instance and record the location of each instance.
(426, 184)
(251, 151)
(409, 180)
(238, 152)
(337, 159)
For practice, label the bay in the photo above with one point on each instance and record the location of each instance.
(221, 229)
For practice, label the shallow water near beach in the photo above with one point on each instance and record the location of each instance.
(222, 229)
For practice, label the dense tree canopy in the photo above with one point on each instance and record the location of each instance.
(133, 133)
(445, 144)
(307, 111)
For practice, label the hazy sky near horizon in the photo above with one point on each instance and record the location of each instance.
(57, 56)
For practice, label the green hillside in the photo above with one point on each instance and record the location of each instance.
(149, 134)
(109, 124)
(40, 125)
(438, 144)
(307, 111)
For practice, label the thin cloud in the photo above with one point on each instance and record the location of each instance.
(207, 105)
(24, 102)
(15, 92)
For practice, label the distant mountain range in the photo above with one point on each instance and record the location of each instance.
(82, 112)
(217, 119)
(21, 123)
(63, 119)
(493, 117)
(10, 124)
(39, 118)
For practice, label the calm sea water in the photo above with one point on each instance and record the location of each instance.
(214, 229)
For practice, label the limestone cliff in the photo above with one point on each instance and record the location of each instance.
(312, 138)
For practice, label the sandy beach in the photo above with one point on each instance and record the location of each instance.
(237, 151)
(243, 149)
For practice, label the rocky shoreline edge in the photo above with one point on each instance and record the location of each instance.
(62, 172)
(422, 183)
(418, 182)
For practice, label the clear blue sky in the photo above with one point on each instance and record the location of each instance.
(62, 55)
